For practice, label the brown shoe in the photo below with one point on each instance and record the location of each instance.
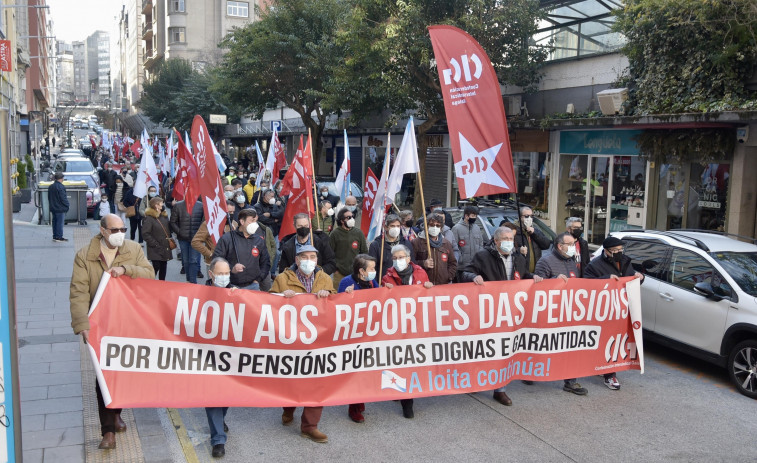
(316, 436)
(502, 398)
(120, 425)
(108, 442)
(287, 417)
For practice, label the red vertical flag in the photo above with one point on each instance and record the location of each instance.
(298, 186)
(186, 186)
(211, 188)
(369, 196)
(280, 160)
(475, 114)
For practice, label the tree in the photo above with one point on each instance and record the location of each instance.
(158, 101)
(287, 57)
(689, 55)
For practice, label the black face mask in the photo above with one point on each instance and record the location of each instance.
(409, 223)
(617, 257)
(302, 232)
(577, 233)
(471, 220)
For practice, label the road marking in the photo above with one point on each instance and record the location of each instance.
(181, 433)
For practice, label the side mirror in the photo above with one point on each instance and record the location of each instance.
(705, 289)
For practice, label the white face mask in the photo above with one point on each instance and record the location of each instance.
(221, 281)
(506, 246)
(351, 208)
(394, 232)
(571, 251)
(371, 276)
(330, 212)
(350, 223)
(400, 264)
(252, 228)
(528, 222)
(240, 199)
(116, 239)
(307, 266)
(228, 194)
(434, 231)
(324, 194)
(272, 201)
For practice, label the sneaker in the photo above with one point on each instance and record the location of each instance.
(575, 388)
(62, 239)
(57, 240)
(182, 271)
(200, 275)
(612, 383)
(219, 450)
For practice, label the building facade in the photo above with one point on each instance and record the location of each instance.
(81, 71)
(65, 73)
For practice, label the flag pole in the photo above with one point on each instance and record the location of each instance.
(387, 158)
(425, 220)
(315, 187)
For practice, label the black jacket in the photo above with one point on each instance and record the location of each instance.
(252, 254)
(180, 222)
(274, 221)
(326, 257)
(603, 267)
(539, 242)
(386, 260)
(56, 196)
(489, 265)
(196, 219)
(553, 264)
(585, 256)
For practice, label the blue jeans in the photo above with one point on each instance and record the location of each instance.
(190, 259)
(275, 265)
(255, 286)
(58, 219)
(216, 417)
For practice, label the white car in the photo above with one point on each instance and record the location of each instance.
(700, 296)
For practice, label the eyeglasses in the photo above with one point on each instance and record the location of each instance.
(347, 217)
(613, 251)
(116, 230)
(527, 216)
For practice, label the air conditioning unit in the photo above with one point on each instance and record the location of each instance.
(611, 100)
(512, 105)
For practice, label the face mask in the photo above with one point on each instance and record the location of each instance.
(302, 232)
(471, 220)
(394, 232)
(506, 246)
(400, 264)
(221, 281)
(272, 201)
(307, 266)
(409, 223)
(324, 194)
(617, 257)
(371, 276)
(152, 194)
(238, 190)
(434, 231)
(350, 223)
(116, 239)
(240, 199)
(228, 194)
(528, 222)
(351, 208)
(571, 251)
(330, 212)
(105, 200)
(252, 228)
(576, 233)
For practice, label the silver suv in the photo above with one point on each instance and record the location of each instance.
(700, 296)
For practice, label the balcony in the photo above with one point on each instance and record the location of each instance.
(146, 6)
(147, 30)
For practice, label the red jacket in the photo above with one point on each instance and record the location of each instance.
(419, 276)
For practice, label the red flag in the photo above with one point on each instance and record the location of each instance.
(475, 114)
(135, 148)
(92, 140)
(300, 190)
(186, 185)
(369, 195)
(280, 160)
(211, 188)
(125, 148)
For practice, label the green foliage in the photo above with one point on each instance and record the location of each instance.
(689, 55)
(21, 179)
(29, 163)
(680, 145)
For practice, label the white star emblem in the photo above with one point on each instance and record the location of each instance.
(476, 167)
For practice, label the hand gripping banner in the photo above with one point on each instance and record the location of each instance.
(475, 114)
(166, 344)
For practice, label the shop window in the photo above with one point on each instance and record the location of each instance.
(693, 196)
(647, 258)
(532, 170)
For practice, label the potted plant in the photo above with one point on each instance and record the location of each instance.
(29, 170)
(23, 185)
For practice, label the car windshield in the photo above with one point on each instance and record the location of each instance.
(82, 178)
(74, 166)
(742, 267)
(492, 222)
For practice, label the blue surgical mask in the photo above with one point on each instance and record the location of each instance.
(307, 266)
(506, 246)
(221, 281)
(371, 276)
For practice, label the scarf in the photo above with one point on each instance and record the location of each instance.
(362, 283)
(435, 243)
(406, 274)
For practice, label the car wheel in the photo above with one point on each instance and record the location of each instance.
(742, 367)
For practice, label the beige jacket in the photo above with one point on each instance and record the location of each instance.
(89, 267)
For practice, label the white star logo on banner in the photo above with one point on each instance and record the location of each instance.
(476, 167)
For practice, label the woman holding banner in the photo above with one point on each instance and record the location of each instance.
(363, 277)
(405, 272)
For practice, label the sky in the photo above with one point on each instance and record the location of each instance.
(77, 19)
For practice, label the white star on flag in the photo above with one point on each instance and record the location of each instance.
(391, 380)
(476, 167)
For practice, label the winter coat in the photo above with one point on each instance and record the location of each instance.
(274, 220)
(326, 258)
(385, 261)
(347, 244)
(326, 223)
(553, 264)
(252, 253)
(535, 241)
(288, 280)
(249, 190)
(88, 271)
(582, 258)
(602, 267)
(56, 197)
(349, 280)
(155, 231)
(488, 263)
(469, 241)
(203, 243)
(419, 276)
(445, 264)
(180, 222)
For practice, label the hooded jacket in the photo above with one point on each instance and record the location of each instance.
(445, 263)
(288, 280)
(252, 253)
(326, 258)
(155, 231)
(469, 241)
(56, 196)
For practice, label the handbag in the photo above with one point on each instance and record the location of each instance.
(131, 211)
(171, 243)
(121, 207)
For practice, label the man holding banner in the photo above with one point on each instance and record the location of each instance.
(246, 252)
(108, 252)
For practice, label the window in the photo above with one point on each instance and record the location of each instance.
(688, 268)
(646, 258)
(239, 9)
(177, 6)
(176, 34)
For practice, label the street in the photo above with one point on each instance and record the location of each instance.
(680, 409)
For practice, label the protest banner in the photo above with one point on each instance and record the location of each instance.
(166, 344)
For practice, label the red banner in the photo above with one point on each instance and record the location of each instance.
(6, 56)
(298, 186)
(167, 344)
(211, 188)
(369, 196)
(186, 184)
(475, 114)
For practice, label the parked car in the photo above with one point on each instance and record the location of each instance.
(71, 153)
(357, 192)
(79, 165)
(93, 187)
(492, 214)
(700, 296)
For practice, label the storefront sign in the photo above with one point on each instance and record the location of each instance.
(606, 142)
